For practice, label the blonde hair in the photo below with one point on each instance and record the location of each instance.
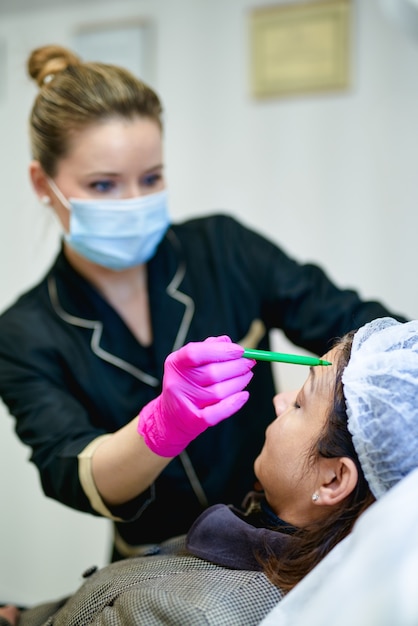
(74, 94)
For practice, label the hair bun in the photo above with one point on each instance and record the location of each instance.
(45, 62)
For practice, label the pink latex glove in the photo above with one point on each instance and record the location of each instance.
(203, 384)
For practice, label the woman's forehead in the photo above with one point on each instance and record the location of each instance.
(324, 376)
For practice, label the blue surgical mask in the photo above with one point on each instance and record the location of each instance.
(116, 234)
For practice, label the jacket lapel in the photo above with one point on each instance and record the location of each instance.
(172, 310)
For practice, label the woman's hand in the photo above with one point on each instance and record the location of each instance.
(203, 384)
(11, 614)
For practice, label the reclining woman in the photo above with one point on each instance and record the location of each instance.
(347, 439)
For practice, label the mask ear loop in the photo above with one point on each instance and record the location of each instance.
(58, 194)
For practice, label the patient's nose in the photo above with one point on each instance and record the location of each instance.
(283, 400)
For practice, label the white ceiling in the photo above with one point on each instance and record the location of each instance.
(16, 6)
(404, 12)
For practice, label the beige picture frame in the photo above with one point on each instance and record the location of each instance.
(300, 48)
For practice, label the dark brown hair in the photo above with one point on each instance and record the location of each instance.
(308, 546)
(74, 94)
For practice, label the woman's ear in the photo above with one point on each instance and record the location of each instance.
(39, 180)
(339, 476)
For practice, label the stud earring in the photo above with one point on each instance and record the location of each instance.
(315, 497)
(46, 200)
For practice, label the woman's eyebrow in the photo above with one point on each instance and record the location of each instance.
(312, 377)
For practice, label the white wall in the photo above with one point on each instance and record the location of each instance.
(331, 177)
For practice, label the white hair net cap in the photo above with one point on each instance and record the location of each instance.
(381, 391)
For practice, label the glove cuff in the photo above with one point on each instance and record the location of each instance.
(151, 425)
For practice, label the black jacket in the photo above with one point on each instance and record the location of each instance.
(70, 369)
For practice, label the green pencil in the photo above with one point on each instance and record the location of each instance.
(265, 355)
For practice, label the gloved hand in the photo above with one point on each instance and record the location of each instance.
(203, 384)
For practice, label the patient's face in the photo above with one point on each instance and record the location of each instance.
(282, 466)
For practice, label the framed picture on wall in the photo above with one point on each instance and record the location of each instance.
(129, 44)
(300, 48)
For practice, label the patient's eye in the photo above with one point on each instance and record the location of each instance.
(299, 400)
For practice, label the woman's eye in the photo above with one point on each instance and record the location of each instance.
(151, 180)
(102, 186)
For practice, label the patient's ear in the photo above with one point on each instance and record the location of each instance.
(339, 477)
